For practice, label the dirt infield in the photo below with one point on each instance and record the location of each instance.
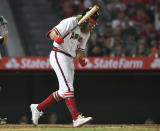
(98, 126)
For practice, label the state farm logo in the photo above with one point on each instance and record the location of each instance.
(118, 64)
(155, 63)
(12, 63)
(122, 63)
(27, 63)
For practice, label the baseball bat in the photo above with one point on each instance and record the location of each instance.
(84, 18)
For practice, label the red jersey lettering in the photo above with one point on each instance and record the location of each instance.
(76, 36)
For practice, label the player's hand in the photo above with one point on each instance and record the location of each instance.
(58, 39)
(4, 39)
(83, 61)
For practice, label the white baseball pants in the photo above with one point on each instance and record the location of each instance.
(63, 66)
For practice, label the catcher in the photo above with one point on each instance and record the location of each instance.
(3, 32)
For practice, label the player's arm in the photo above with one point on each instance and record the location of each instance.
(61, 29)
(81, 57)
(80, 54)
(53, 35)
(4, 38)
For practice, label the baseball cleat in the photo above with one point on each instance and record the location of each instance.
(81, 120)
(35, 114)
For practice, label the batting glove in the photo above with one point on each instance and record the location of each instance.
(58, 39)
(83, 61)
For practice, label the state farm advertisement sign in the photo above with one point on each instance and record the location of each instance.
(94, 63)
(25, 63)
(123, 63)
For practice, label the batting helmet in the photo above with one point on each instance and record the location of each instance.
(93, 18)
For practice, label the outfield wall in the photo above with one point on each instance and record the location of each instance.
(108, 96)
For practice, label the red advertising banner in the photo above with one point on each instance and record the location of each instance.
(94, 63)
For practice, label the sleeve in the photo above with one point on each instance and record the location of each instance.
(3, 26)
(65, 26)
(3, 30)
(82, 46)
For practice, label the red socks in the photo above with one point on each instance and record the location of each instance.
(71, 104)
(53, 98)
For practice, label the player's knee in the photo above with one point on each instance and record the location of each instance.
(66, 93)
(69, 94)
(57, 96)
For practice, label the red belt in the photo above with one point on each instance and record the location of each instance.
(61, 51)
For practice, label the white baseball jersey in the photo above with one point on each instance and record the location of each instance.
(75, 40)
(3, 30)
(63, 64)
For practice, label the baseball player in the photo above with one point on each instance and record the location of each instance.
(61, 59)
(3, 32)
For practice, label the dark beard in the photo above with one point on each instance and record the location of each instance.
(84, 28)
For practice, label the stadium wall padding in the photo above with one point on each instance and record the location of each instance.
(110, 97)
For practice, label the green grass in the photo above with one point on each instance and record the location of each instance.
(76, 129)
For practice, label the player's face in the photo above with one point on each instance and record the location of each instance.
(87, 27)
